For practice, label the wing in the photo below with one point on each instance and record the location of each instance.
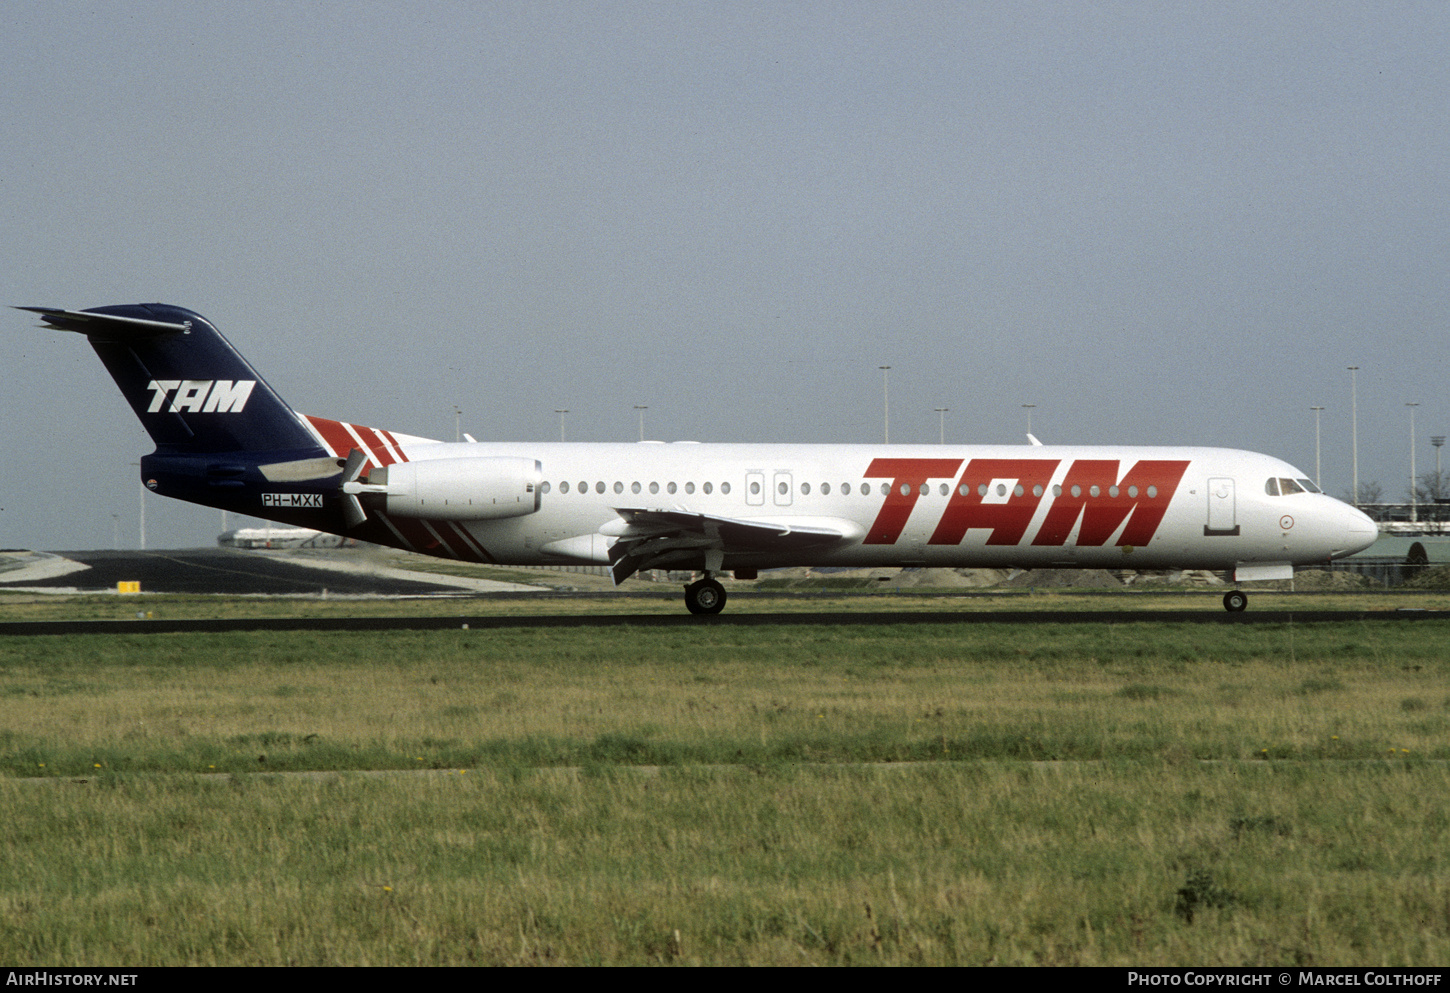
(653, 539)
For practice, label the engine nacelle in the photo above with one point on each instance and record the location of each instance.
(460, 489)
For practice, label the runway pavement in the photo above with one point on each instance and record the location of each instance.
(225, 571)
(740, 617)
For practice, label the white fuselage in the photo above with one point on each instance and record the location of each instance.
(923, 505)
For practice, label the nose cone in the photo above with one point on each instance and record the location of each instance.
(1355, 531)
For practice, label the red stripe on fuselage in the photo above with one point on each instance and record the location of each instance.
(343, 437)
(374, 444)
(334, 435)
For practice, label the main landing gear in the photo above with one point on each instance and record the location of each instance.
(705, 597)
(1235, 600)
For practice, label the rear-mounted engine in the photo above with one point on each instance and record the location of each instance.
(459, 489)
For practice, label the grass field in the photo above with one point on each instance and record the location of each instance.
(943, 794)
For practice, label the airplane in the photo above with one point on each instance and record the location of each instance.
(224, 438)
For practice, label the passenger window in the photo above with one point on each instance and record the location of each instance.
(689, 487)
(825, 489)
(564, 486)
(707, 488)
(670, 488)
(885, 489)
(654, 487)
(619, 487)
(544, 487)
(845, 489)
(805, 489)
(634, 487)
(945, 489)
(724, 487)
(599, 486)
(754, 489)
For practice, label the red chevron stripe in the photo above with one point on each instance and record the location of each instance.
(374, 444)
(334, 435)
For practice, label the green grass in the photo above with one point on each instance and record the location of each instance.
(981, 863)
(944, 794)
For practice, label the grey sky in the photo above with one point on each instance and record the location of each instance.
(1161, 223)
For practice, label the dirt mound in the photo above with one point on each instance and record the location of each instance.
(946, 578)
(1047, 579)
(1430, 579)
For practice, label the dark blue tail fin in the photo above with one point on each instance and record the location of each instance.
(191, 389)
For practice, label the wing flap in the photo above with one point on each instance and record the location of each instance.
(650, 538)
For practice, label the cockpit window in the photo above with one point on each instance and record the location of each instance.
(1285, 487)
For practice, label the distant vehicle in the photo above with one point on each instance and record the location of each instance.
(281, 538)
(225, 439)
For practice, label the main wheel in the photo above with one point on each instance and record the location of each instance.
(1235, 601)
(705, 597)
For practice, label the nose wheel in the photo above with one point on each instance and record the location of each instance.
(705, 597)
(1235, 601)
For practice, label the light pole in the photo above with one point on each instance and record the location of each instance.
(886, 402)
(1414, 499)
(1028, 407)
(641, 407)
(941, 416)
(561, 413)
(1317, 411)
(1354, 425)
(142, 483)
(457, 423)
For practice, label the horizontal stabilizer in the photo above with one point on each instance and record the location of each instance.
(110, 326)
